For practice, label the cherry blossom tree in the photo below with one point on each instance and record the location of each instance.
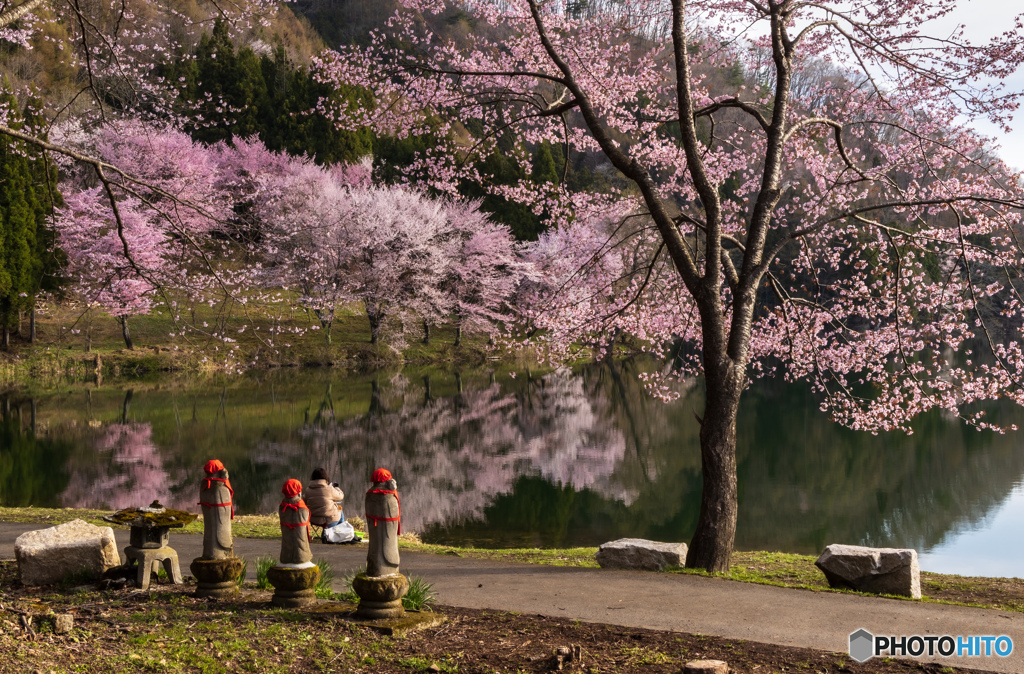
(123, 250)
(484, 271)
(386, 247)
(110, 57)
(297, 217)
(849, 230)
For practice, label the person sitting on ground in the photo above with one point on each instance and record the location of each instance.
(323, 500)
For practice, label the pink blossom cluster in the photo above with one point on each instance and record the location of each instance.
(191, 224)
(822, 213)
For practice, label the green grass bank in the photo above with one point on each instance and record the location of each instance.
(80, 344)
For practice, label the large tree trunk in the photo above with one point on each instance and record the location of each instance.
(123, 320)
(458, 333)
(32, 324)
(712, 543)
(375, 313)
(326, 319)
(426, 332)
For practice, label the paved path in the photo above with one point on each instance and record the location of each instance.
(820, 620)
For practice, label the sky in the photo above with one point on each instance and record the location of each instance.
(984, 19)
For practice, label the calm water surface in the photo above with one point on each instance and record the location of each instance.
(569, 458)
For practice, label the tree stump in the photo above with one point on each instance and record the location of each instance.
(706, 667)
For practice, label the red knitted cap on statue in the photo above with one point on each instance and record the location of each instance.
(212, 466)
(292, 488)
(381, 475)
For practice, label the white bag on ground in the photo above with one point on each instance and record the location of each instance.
(341, 533)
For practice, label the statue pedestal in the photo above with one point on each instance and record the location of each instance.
(293, 587)
(380, 597)
(217, 577)
(149, 560)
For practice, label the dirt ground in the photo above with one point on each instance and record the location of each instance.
(167, 630)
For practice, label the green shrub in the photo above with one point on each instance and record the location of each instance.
(347, 593)
(323, 588)
(264, 564)
(420, 594)
(245, 569)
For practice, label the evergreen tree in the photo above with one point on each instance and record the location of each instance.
(24, 206)
(544, 168)
(231, 93)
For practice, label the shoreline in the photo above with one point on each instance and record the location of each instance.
(779, 569)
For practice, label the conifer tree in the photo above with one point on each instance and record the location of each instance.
(233, 93)
(23, 210)
(544, 168)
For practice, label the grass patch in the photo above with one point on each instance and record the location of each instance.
(244, 526)
(773, 568)
(243, 572)
(577, 557)
(347, 593)
(76, 579)
(637, 656)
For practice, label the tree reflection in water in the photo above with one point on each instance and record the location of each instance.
(453, 455)
(559, 459)
(129, 472)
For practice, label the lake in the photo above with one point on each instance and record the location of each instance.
(494, 460)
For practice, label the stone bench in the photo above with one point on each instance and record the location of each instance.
(875, 570)
(637, 553)
(50, 555)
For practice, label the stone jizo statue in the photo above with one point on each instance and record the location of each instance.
(217, 499)
(295, 535)
(217, 571)
(383, 524)
(381, 587)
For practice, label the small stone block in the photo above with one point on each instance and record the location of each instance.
(49, 555)
(150, 560)
(875, 570)
(63, 623)
(706, 667)
(637, 553)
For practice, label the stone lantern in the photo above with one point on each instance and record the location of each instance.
(149, 533)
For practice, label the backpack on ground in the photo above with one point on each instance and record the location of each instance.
(340, 533)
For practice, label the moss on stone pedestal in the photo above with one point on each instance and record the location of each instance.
(409, 622)
(293, 579)
(380, 597)
(217, 577)
(385, 588)
(136, 517)
(293, 587)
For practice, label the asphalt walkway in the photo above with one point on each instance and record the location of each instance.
(820, 620)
